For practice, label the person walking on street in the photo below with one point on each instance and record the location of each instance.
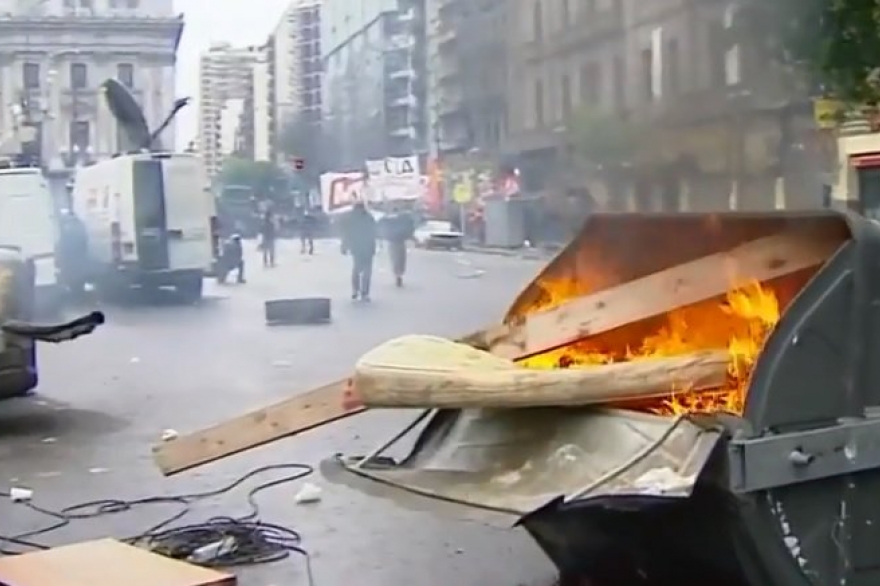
(232, 259)
(307, 232)
(360, 240)
(399, 229)
(73, 254)
(268, 232)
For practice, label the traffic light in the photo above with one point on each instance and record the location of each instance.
(299, 164)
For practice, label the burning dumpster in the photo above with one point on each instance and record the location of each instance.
(767, 476)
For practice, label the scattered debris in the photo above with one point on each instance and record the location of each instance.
(135, 359)
(309, 493)
(20, 495)
(169, 434)
(50, 440)
(98, 470)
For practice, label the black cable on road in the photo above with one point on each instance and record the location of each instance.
(245, 540)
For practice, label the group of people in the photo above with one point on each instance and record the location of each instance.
(361, 233)
(360, 236)
(306, 225)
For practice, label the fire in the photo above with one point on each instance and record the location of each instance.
(741, 323)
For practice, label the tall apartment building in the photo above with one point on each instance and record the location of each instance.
(467, 47)
(294, 57)
(715, 127)
(225, 74)
(254, 133)
(375, 79)
(53, 68)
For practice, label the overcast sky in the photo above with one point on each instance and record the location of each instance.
(241, 22)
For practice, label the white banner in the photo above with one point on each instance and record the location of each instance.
(395, 178)
(340, 190)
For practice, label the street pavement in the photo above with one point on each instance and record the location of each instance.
(105, 399)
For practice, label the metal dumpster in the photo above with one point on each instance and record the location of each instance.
(781, 489)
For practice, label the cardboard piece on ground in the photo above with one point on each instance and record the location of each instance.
(708, 277)
(105, 562)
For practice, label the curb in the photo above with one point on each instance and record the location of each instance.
(529, 254)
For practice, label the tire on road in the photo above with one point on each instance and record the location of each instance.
(191, 287)
(301, 311)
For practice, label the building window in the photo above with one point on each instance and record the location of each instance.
(134, 3)
(125, 74)
(86, 4)
(79, 76)
(538, 20)
(31, 75)
(647, 75)
(717, 54)
(539, 104)
(673, 63)
(79, 134)
(619, 83)
(590, 83)
(567, 104)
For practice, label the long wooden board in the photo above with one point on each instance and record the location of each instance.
(285, 418)
(698, 280)
(656, 294)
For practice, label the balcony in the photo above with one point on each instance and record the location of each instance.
(403, 73)
(447, 108)
(447, 71)
(402, 131)
(407, 101)
(398, 42)
(445, 36)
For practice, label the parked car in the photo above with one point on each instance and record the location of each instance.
(438, 234)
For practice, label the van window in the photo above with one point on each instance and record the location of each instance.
(149, 195)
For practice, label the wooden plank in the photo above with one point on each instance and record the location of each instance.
(699, 280)
(702, 279)
(105, 562)
(289, 417)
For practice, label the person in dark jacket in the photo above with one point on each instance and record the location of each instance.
(307, 226)
(268, 233)
(232, 259)
(73, 254)
(399, 228)
(360, 240)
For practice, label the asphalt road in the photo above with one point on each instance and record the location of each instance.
(104, 400)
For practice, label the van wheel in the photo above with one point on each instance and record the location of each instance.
(190, 289)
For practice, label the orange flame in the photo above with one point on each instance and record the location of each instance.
(740, 323)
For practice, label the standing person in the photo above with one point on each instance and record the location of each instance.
(268, 232)
(232, 259)
(360, 241)
(307, 232)
(399, 229)
(73, 254)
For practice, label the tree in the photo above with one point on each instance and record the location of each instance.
(602, 139)
(262, 176)
(834, 42)
(301, 138)
(607, 143)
